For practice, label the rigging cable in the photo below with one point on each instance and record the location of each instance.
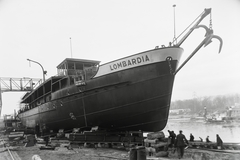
(188, 27)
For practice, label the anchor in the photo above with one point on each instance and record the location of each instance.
(206, 41)
(209, 36)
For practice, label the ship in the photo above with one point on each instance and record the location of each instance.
(128, 94)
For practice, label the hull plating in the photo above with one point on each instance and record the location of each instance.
(140, 104)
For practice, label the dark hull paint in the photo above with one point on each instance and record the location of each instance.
(133, 99)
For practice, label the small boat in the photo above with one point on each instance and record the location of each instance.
(214, 120)
(130, 94)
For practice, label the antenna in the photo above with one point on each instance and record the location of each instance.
(174, 38)
(71, 46)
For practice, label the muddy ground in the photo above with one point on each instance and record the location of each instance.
(82, 153)
(63, 152)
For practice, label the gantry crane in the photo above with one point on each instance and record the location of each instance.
(17, 85)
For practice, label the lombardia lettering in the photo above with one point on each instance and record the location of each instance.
(129, 62)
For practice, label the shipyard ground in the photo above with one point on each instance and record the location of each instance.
(26, 153)
(21, 152)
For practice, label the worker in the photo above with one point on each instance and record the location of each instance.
(46, 139)
(180, 143)
(37, 130)
(172, 137)
(207, 139)
(191, 138)
(219, 142)
(170, 133)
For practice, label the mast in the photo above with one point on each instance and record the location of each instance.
(174, 21)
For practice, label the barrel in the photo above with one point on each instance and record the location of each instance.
(141, 154)
(31, 141)
(133, 154)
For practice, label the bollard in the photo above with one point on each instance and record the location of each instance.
(141, 154)
(133, 154)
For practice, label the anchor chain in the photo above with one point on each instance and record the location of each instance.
(169, 59)
(210, 23)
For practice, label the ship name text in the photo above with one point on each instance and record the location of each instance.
(129, 62)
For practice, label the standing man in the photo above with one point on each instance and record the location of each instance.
(37, 130)
(205, 112)
(180, 143)
(173, 138)
(219, 142)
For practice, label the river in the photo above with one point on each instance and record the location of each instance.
(229, 132)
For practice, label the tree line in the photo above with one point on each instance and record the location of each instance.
(213, 103)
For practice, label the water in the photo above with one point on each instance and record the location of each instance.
(229, 132)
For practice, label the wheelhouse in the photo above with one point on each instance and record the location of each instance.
(69, 72)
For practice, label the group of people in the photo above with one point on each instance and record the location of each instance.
(180, 142)
(218, 140)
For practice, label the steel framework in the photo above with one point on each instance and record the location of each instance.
(17, 85)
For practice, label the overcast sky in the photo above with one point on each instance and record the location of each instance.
(106, 30)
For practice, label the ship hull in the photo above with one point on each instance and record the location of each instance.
(131, 99)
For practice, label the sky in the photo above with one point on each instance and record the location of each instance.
(106, 30)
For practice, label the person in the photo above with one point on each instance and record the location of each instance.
(45, 135)
(205, 112)
(207, 139)
(180, 143)
(46, 139)
(170, 133)
(37, 130)
(169, 137)
(172, 136)
(201, 140)
(219, 142)
(191, 137)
